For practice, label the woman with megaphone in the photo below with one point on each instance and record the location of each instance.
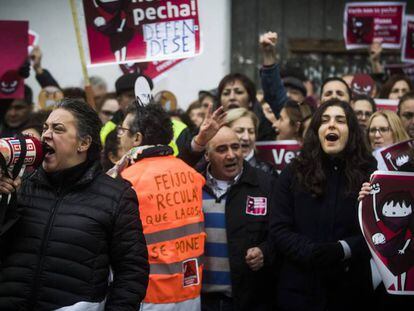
(77, 228)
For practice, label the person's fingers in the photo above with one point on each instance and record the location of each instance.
(218, 112)
(6, 185)
(17, 182)
(209, 111)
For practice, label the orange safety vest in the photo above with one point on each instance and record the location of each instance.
(170, 204)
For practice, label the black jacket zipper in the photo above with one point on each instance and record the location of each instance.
(45, 240)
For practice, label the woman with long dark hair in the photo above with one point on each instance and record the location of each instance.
(314, 226)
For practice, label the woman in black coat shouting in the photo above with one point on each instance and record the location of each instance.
(314, 224)
(74, 224)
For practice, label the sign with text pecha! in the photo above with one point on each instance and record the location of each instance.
(364, 21)
(124, 31)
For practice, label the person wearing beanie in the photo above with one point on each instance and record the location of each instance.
(295, 89)
(17, 113)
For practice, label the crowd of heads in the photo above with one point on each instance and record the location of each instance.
(300, 118)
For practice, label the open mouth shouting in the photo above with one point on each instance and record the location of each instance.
(332, 137)
(233, 105)
(49, 151)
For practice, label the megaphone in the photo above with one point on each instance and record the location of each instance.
(20, 151)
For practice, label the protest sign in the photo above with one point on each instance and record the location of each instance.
(400, 69)
(393, 158)
(141, 30)
(279, 152)
(386, 220)
(407, 51)
(364, 21)
(13, 53)
(386, 104)
(154, 70)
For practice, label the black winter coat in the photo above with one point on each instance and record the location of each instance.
(251, 290)
(300, 221)
(60, 250)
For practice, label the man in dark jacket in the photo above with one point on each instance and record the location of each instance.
(236, 207)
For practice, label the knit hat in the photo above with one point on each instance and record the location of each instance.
(295, 83)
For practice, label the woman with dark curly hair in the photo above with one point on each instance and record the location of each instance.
(314, 224)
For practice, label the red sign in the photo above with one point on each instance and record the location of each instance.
(392, 158)
(386, 219)
(155, 70)
(364, 21)
(13, 53)
(407, 52)
(278, 152)
(141, 30)
(398, 69)
(386, 104)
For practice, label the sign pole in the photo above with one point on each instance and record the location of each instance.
(88, 87)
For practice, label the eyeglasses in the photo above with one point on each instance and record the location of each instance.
(108, 113)
(120, 131)
(381, 130)
(408, 115)
(360, 114)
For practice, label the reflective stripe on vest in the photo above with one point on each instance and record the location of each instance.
(170, 199)
(178, 127)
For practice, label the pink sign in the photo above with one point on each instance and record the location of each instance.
(386, 104)
(386, 219)
(13, 53)
(364, 21)
(155, 70)
(123, 31)
(407, 52)
(278, 152)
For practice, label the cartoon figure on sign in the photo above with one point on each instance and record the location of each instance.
(361, 28)
(362, 84)
(10, 81)
(393, 216)
(400, 160)
(111, 21)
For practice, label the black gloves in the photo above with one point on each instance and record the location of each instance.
(325, 254)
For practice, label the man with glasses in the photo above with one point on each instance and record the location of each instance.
(170, 201)
(406, 112)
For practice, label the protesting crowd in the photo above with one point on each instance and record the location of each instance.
(136, 206)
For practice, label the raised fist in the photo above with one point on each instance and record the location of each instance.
(375, 188)
(268, 40)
